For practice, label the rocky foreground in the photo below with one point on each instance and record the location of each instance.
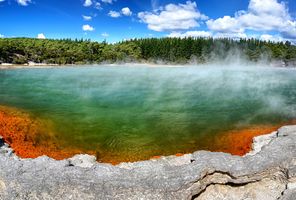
(268, 172)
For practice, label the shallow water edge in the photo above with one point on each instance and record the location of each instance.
(268, 173)
(30, 137)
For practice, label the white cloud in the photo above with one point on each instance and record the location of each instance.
(173, 17)
(261, 15)
(126, 11)
(108, 1)
(93, 3)
(290, 30)
(235, 36)
(88, 28)
(207, 34)
(1, 36)
(267, 7)
(87, 18)
(266, 37)
(87, 3)
(105, 35)
(98, 6)
(273, 38)
(114, 14)
(191, 34)
(23, 2)
(225, 24)
(41, 36)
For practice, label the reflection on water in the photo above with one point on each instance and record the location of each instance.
(134, 113)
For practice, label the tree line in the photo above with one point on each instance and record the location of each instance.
(168, 50)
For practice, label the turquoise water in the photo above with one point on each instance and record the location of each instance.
(136, 111)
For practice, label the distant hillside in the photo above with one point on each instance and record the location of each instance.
(167, 50)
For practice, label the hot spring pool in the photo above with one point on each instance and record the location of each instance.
(132, 113)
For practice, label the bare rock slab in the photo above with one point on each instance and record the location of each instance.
(269, 172)
(84, 161)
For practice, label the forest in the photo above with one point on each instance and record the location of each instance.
(152, 50)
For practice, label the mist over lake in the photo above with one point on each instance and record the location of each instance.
(136, 112)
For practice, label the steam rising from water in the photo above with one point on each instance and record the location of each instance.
(155, 110)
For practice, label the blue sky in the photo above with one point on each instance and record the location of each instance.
(116, 20)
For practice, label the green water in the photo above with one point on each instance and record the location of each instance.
(146, 111)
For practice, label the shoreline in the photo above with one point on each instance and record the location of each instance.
(268, 172)
(258, 142)
(30, 137)
(140, 64)
(22, 133)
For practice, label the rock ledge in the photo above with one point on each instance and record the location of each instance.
(268, 172)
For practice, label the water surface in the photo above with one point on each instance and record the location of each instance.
(137, 112)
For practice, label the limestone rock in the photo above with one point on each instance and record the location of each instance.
(84, 161)
(262, 190)
(260, 141)
(287, 130)
(270, 174)
(289, 195)
(5, 149)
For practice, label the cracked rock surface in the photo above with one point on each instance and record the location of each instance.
(267, 173)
